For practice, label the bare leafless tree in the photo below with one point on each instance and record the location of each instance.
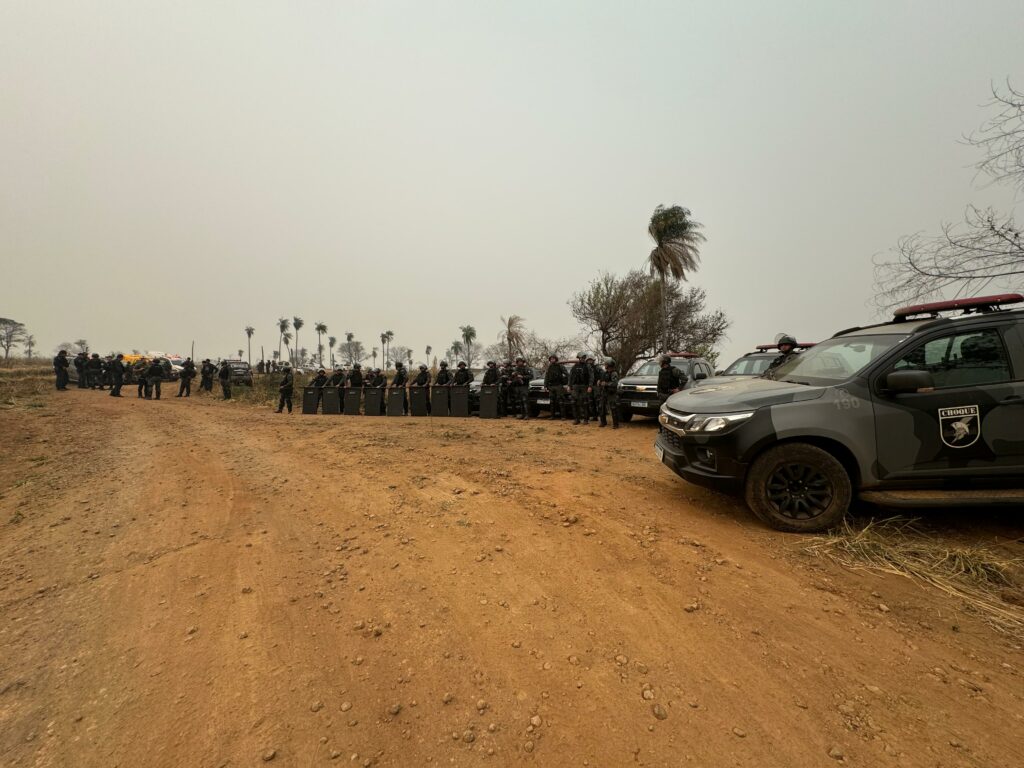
(985, 251)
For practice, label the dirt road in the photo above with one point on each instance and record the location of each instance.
(220, 586)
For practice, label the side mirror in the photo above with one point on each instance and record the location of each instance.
(904, 382)
(699, 376)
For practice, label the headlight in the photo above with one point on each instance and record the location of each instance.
(698, 422)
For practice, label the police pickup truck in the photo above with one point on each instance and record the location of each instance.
(924, 411)
(638, 392)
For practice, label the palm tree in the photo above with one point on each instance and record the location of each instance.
(283, 324)
(30, 344)
(320, 328)
(240, 353)
(429, 350)
(513, 334)
(456, 349)
(249, 331)
(385, 339)
(349, 338)
(677, 240)
(374, 356)
(297, 323)
(468, 337)
(287, 338)
(331, 341)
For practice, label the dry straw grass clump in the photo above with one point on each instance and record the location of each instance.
(986, 583)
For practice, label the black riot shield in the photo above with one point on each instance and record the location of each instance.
(396, 401)
(353, 397)
(310, 399)
(439, 401)
(460, 401)
(332, 400)
(372, 401)
(489, 401)
(417, 401)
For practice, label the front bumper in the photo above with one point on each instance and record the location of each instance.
(705, 461)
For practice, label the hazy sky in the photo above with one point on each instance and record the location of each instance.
(177, 171)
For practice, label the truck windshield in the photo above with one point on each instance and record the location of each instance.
(835, 360)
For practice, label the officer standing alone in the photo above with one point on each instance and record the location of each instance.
(154, 376)
(286, 388)
(188, 372)
(60, 369)
(521, 375)
(225, 379)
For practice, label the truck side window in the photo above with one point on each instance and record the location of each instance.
(967, 359)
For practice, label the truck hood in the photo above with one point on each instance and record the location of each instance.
(639, 381)
(744, 394)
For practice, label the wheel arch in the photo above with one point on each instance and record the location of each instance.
(834, 447)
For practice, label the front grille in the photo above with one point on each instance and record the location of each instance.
(672, 440)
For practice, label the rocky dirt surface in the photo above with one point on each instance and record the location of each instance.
(194, 583)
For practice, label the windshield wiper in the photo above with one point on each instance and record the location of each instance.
(794, 381)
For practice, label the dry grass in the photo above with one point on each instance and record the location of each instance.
(24, 384)
(987, 584)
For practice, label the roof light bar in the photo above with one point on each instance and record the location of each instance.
(971, 304)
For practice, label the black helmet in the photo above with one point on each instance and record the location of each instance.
(786, 339)
(322, 371)
(357, 367)
(398, 366)
(609, 363)
(462, 363)
(552, 358)
(666, 359)
(491, 363)
(423, 367)
(581, 356)
(520, 359)
(444, 363)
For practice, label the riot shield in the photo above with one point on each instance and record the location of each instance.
(372, 401)
(460, 401)
(353, 397)
(489, 401)
(417, 401)
(310, 399)
(332, 400)
(396, 401)
(439, 401)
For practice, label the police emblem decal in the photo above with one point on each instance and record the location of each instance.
(961, 426)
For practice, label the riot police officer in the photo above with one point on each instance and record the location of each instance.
(154, 375)
(224, 375)
(521, 375)
(94, 371)
(206, 373)
(444, 376)
(337, 378)
(60, 369)
(422, 378)
(491, 374)
(117, 375)
(670, 381)
(286, 388)
(555, 379)
(582, 385)
(139, 368)
(400, 379)
(463, 375)
(188, 372)
(608, 394)
(787, 351)
(79, 363)
(318, 383)
(355, 377)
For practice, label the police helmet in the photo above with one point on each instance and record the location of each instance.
(398, 365)
(423, 367)
(552, 358)
(462, 363)
(786, 339)
(357, 367)
(581, 356)
(491, 363)
(666, 359)
(322, 371)
(609, 363)
(520, 359)
(444, 363)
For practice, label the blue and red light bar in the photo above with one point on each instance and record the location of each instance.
(971, 304)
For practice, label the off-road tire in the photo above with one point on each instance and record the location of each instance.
(799, 488)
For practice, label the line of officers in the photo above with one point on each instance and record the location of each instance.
(594, 391)
(113, 372)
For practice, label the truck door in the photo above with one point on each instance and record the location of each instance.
(970, 425)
